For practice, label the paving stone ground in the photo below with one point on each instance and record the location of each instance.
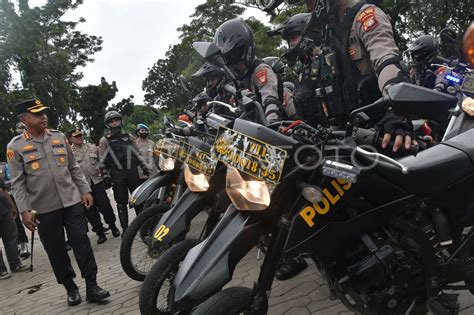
(38, 293)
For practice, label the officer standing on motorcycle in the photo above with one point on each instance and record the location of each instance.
(236, 41)
(120, 161)
(145, 147)
(87, 155)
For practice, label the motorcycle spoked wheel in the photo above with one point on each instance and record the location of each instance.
(138, 237)
(234, 300)
(157, 292)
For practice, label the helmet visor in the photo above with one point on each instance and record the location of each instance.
(234, 56)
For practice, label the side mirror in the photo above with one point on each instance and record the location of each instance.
(186, 86)
(167, 121)
(210, 52)
(420, 102)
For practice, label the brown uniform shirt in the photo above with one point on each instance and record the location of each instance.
(265, 81)
(371, 42)
(146, 151)
(87, 155)
(44, 173)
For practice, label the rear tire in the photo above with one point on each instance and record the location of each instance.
(165, 268)
(142, 226)
(230, 301)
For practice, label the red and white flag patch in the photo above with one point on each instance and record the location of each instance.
(262, 76)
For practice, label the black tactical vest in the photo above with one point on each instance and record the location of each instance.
(121, 146)
(342, 84)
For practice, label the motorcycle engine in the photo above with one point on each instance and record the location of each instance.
(379, 279)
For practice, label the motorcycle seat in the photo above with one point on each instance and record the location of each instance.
(434, 169)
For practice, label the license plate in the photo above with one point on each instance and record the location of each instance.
(249, 155)
(173, 148)
(201, 161)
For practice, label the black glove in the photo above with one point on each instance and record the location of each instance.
(395, 125)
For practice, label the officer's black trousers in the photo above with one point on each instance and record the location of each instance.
(124, 181)
(22, 238)
(51, 232)
(102, 205)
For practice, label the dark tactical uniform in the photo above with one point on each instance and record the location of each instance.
(87, 155)
(119, 156)
(357, 64)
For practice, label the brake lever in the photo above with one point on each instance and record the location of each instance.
(404, 169)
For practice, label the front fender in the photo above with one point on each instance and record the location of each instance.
(209, 265)
(175, 221)
(145, 190)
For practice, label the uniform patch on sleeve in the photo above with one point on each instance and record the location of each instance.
(262, 76)
(10, 154)
(368, 19)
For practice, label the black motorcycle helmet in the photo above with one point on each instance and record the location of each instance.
(447, 43)
(294, 25)
(108, 117)
(276, 64)
(423, 51)
(209, 71)
(236, 41)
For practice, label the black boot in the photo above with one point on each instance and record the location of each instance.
(101, 237)
(123, 216)
(290, 267)
(94, 293)
(73, 296)
(115, 231)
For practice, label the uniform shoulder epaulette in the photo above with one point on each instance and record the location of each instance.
(15, 138)
(55, 130)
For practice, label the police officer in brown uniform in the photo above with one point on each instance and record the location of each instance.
(46, 177)
(145, 148)
(358, 61)
(87, 155)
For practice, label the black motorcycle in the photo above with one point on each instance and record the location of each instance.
(156, 195)
(387, 235)
(206, 192)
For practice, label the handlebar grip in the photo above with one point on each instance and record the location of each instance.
(371, 137)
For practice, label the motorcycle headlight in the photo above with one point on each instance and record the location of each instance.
(197, 182)
(246, 194)
(165, 163)
(468, 106)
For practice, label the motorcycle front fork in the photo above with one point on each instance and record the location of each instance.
(263, 286)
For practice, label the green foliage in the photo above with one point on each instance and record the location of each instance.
(46, 51)
(143, 115)
(413, 18)
(162, 84)
(92, 105)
